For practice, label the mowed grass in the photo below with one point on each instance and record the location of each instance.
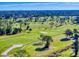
(30, 38)
(56, 45)
(22, 38)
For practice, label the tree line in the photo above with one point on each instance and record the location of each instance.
(6, 24)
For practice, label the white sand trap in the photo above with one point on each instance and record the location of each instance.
(12, 47)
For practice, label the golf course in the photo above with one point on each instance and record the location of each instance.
(24, 43)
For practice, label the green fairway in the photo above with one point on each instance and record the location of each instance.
(30, 38)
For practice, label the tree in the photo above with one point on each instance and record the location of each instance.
(46, 38)
(20, 22)
(68, 32)
(51, 24)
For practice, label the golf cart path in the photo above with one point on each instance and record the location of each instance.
(10, 48)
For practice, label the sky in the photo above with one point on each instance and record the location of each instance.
(39, 5)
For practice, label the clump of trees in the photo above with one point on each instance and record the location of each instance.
(6, 27)
(7, 23)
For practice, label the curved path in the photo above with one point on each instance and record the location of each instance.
(12, 47)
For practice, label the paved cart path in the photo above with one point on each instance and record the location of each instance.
(12, 47)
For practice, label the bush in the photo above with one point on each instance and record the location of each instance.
(27, 27)
(68, 32)
(30, 29)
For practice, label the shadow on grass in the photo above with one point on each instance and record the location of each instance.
(65, 39)
(41, 49)
(37, 44)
